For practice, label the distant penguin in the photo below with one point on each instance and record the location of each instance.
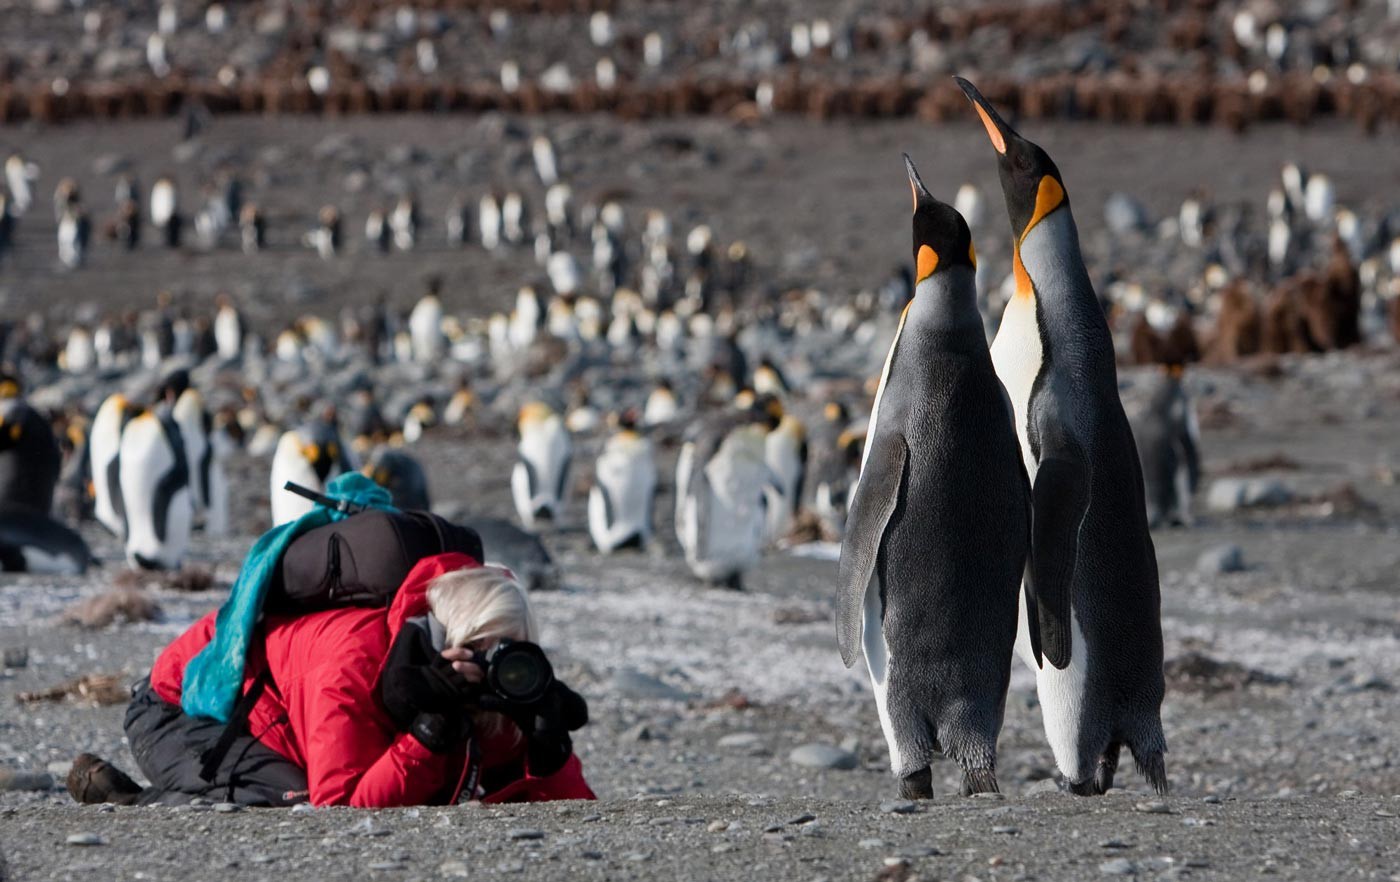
(74, 233)
(205, 453)
(786, 451)
(1093, 566)
(165, 211)
(20, 176)
(403, 221)
(488, 221)
(539, 482)
(155, 489)
(929, 584)
(378, 233)
(228, 329)
(425, 329)
(515, 219)
(461, 408)
(30, 460)
(33, 542)
(104, 450)
(400, 474)
(623, 495)
(457, 223)
(768, 379)
(1168, 439)
(79, 352)
(325, 238)
(721, 476)
(546, 165)
(252, 229)
(661, 406)
(310, 456)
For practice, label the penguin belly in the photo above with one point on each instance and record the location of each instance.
(726, 515)
(1017, 356)
(619, 504)
(784, 459)
(289, 464)
(156, 493)
(1063, 695)
(539, 477)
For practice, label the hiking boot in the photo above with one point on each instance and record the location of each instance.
(93, 780)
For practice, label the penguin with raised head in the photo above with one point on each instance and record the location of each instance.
(540, 480)
(310, 456)
(30, 460)
(622, 498)
(722, 475)
(1093, 566)
(1167, 436)
(929, 585)
(154, 476)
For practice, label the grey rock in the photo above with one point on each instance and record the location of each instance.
(632, 683)
(871, 843)
(227, 808)
(1118, 867)
(15, 657)
(17, 779)
(1007, 831)
(1115, 843)
(898, 807)
(85, 839)
(823, 756)
(1153, 807)
(639, 732)
(1233, 494)
(805, 818)
(741, 741)
(1043, 787)
(1227, 558)
(525, 834)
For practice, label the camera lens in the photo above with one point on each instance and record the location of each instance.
(520, 672)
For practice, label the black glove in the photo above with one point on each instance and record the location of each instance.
(418, 680)
(439, 732)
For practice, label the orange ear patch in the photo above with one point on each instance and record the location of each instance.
(927, 263)
(972, 254)
(992, 131)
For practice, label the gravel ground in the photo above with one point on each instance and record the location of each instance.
(1280, 712)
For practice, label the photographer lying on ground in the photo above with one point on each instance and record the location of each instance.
(438, 699)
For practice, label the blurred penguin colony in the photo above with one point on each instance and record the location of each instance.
(636, 341)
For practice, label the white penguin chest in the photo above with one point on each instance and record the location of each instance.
(1017, 357)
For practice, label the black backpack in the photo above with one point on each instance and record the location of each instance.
(362, 560)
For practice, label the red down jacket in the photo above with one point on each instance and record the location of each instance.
(322, 708)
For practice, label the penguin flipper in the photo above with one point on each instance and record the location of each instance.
(1061, 498)
(874, 502)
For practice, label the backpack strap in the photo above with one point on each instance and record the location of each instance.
(210, 759)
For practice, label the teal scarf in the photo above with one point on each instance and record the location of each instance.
(214, 678)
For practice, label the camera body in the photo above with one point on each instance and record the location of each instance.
(517, 671)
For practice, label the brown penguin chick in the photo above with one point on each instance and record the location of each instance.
(1334, 313)
(1145, 346)
(1239, 326)
(1180, 345)
(1285, 327)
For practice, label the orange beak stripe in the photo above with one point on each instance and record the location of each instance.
(992, 131)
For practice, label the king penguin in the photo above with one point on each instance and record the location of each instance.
(1164, 426)
(30, 460)
(155, 489)
(1093, 566)
(104, 448)
(929, 584)
(624, 489)
(310, 456)
(539, 483)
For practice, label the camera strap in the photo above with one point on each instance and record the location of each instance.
(471, 775)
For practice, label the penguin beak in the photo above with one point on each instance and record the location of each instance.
(997, 129)
(916, 184)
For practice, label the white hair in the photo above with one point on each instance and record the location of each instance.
(483, 603)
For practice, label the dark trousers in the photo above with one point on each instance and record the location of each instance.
(169, 746)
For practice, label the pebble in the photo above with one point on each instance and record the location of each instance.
(871, 843)
(303, 808)
(898, 807)
(1008, 831)
(741, 740)
(639, 732)
(1213, 799)
(823, 756)
(524, 834)
(1043, 787)
(227, 808)
(1115, 843)
(15, 779)
(773, 828)
(85, 839)
(387, 865)
(591, 855)
(1220, 559)
(15, 656)
(456, 869)
(1155, 807)
(804, 818)
(1117, 867)
(1232, 494)
(717, 826)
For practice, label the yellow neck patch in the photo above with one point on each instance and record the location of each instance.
(1023, 278)
(927, 263)
(1048, 197)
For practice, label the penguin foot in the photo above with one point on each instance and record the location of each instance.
(1154, 768)
(733, 582)
(917, 785)
(1087, 787)
(979, 781)
(1101, 781)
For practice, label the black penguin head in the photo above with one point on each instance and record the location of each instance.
(941, 236)
(1030, 179)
